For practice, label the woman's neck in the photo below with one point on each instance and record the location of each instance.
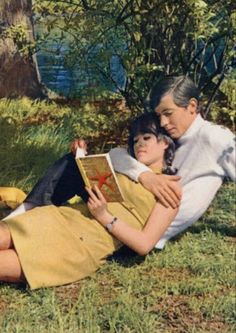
(156, 165)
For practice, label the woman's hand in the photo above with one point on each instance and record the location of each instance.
(78, 143)
(97, 205)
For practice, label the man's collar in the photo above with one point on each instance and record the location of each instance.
(196, 125)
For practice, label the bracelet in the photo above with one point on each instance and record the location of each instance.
(109, 226)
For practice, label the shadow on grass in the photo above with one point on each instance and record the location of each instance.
(22, 286)
(126, 257)
(199, 227)
(223, 229)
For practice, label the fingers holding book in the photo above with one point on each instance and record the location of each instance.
(78, 143)
(97, 204)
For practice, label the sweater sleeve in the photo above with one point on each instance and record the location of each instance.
(203, 190)
(228, 156)
(125, 164)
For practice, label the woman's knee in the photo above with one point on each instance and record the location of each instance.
(10, 267)
(5, 237)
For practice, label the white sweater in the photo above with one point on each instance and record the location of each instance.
(206, 154)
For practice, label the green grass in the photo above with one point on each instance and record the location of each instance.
(189, 287)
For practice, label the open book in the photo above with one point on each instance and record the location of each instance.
(98, 170)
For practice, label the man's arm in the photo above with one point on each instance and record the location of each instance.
(228, 158)
(197, 197)
(164, 187)
(127, 165)
(199, 192)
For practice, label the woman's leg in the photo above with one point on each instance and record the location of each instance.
(10, 267)
(5, 238)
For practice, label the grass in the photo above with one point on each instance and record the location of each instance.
(189, 287)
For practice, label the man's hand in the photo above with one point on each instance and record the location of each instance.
(78, 143)
(165, 188)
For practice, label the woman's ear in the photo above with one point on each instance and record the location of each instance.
(166, 143)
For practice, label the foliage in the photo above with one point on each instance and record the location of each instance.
(104, 124)
(224, 111)
(19, 35)
(150, 39)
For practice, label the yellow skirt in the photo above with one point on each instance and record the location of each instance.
(61, 245)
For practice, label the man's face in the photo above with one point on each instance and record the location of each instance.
(176, 120)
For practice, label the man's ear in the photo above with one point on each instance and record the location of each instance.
(192, 105)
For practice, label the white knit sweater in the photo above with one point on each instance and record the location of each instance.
(206, 154)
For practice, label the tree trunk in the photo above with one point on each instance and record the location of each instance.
(19, 74)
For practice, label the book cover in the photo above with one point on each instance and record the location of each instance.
(98, 170)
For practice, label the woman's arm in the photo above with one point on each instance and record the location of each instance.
(141, 241)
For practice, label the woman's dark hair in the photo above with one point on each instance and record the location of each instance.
(182, 89)
(149, 122)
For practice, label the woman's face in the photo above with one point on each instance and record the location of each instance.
(149, 150)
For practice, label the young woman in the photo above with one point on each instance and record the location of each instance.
(49, 245)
